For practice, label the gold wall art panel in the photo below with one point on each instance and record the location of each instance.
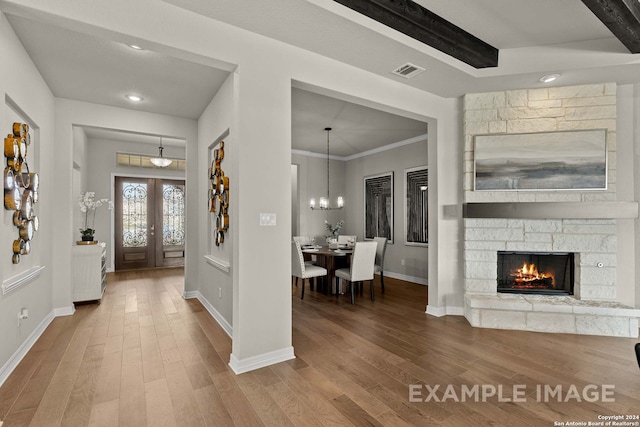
(20, 188)
(219, 195)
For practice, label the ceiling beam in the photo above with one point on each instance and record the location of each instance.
(622, 18)
(423, 25)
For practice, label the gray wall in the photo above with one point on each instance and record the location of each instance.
(312, 176)
(415, 258)
(26, 98)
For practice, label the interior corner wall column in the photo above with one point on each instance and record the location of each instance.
(261, 263)
(63, 219)
(636, 180)
(627, 262)
(446, 281)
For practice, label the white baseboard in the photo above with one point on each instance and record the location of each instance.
(251, 363)
(444, 311)
(260, 361)
(412, 279)
(15, 359)
(224, 324)
(64, 311)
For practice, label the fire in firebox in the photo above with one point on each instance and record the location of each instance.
(528, 277)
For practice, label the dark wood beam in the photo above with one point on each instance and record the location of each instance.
(622, 17)
(415, 21)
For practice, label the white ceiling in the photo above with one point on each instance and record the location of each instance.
(92, 69)
(534, 38)
(355, 128)
(507, 24)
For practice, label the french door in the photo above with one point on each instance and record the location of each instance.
(149, 222)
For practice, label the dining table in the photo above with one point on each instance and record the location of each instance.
(331, 259)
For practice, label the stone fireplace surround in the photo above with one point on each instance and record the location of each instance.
(593, 309)
(583, 222)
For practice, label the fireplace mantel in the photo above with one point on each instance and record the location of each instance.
(553, 210)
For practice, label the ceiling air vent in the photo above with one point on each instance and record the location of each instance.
(407, 70)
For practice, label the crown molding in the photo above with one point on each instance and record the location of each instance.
(387, 147)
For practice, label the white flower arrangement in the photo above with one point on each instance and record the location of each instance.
(334, 229)
(88, 205)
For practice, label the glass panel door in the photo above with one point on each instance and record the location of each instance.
(134, 225)
(149, 223)
(170, 206)
(134, 214)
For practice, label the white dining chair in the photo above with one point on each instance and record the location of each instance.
(300, 269)
(344, 239)
(380, 251)
(305, 240)
(361, 269)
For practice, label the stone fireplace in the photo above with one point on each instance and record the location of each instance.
(568, 236)
(590, 247)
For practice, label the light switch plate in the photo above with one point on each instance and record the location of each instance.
(267, 219)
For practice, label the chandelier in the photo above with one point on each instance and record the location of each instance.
(160, 161)
(324, 201)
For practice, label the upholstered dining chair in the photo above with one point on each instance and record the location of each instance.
(344, 239)
(361, 269)
(300, 269)
(305, 240)
(380, 251)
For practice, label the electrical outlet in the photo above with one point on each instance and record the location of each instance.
(23, 314)
(219, 292)
(402, 261)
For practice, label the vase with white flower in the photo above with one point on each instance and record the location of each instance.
(332, 239)
(88, 205)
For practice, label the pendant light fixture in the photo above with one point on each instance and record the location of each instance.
(160, 161)
(324, 201)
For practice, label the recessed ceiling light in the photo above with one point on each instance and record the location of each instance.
(134, 98)
(135, 46)
(549, 78)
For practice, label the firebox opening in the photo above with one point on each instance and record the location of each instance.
(546, 273)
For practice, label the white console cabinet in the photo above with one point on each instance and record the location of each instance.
(88, 271)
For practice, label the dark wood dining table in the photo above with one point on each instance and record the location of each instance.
(331, 259)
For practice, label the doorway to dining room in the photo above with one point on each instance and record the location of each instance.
(367, 140)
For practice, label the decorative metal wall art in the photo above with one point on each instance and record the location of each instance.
(378, 206)
(416, 189)
(20, 188)
(219, 195)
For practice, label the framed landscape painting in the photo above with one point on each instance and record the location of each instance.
(378, 206)
(572, 160)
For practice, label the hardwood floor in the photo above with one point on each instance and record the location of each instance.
(146, 356)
